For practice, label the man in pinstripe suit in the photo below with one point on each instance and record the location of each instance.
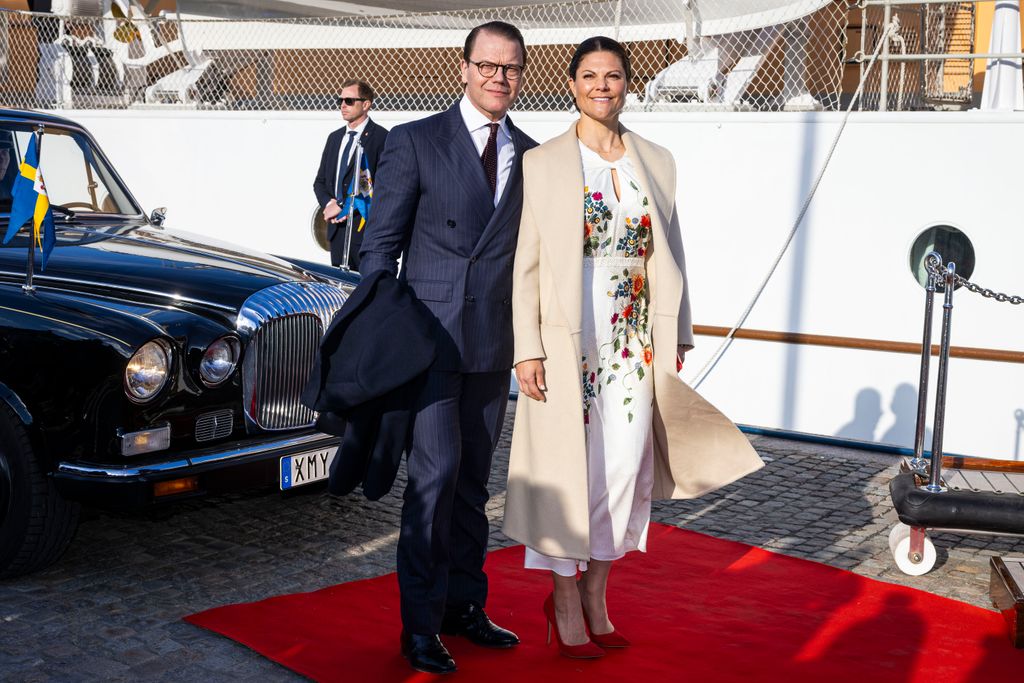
(449, 205)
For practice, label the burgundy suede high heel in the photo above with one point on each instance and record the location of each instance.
(586, 650)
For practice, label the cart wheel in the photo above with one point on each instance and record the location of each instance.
(907, 565)
(898, 533)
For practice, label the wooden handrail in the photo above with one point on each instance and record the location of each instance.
(965, 463)
(998, 355)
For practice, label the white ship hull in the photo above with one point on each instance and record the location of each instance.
(247, 178)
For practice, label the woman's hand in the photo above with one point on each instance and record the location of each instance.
(530, 375)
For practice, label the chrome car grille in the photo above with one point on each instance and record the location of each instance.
(215, 425)
(285, 323)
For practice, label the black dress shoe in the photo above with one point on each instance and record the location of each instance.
(427, 654)
(470, 621)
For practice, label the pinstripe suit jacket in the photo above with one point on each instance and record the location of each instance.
(435, 210)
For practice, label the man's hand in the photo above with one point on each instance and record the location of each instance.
(681, 357)
(332, 210)
(530, 375)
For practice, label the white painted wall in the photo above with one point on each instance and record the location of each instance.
(247, 178)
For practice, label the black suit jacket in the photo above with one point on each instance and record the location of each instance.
(435, 210)
(326, 184)
(372, 359)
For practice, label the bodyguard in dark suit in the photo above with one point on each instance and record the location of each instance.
(337, 166)
(449, 203)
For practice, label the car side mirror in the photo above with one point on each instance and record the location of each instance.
(158, 216)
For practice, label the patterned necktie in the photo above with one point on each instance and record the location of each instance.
(342, 188)
(490, 158)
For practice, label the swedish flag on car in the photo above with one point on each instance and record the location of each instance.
(359, 197)
(31, 201)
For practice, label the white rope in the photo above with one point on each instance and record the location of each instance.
(727, 342)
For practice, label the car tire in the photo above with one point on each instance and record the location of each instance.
(36, 523)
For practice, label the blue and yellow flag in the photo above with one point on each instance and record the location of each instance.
(359, 198)
(30, 201)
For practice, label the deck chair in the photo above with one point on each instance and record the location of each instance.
(198, 80)
(132, 52)
(717, 72)
(112, 59)
(136, 46)
(147, 47)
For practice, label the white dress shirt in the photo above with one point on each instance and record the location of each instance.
(343, 163)
(476, 124)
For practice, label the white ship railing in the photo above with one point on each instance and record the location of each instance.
(952, 23)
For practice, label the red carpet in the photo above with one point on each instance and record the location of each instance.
(698, 609)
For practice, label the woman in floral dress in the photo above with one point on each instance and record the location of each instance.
(602, 319)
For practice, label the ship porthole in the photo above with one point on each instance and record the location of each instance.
(952, 243)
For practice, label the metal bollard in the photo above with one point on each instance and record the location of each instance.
(934, 485)
(918, 463)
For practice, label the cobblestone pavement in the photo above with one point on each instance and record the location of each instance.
(111, 609)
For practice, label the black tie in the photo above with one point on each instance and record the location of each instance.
(342, 188)
(490, 158)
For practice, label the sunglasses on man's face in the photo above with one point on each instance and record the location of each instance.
(349, 101)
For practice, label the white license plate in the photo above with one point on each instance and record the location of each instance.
(305, 468)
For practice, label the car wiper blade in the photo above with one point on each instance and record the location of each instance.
(67, 213)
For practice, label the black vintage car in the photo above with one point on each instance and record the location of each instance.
(143, 364)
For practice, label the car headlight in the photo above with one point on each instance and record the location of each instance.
(148, 370)
(219, 361)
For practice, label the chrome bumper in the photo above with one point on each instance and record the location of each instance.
(269, 448)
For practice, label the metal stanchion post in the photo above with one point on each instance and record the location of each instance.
(918, 463)
(29, 286)
(347, 252)
(935, 480)
(883, 87)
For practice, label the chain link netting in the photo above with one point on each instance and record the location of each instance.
(946, 28)
(757, 55)
(748, 55)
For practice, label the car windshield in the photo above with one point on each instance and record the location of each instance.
(77, 179)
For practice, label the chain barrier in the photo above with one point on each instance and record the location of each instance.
(935, 269)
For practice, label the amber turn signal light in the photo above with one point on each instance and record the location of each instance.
(169, 488)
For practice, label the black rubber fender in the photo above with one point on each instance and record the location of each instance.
(967, 510)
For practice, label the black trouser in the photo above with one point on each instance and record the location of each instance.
(444, 533)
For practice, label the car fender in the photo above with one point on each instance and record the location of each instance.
(11, 398)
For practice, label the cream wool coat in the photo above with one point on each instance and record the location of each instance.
(696, 448)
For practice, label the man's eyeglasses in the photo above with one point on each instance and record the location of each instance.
(349, 101)
(487, 69)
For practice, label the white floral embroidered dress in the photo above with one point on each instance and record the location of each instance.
(618, 387)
